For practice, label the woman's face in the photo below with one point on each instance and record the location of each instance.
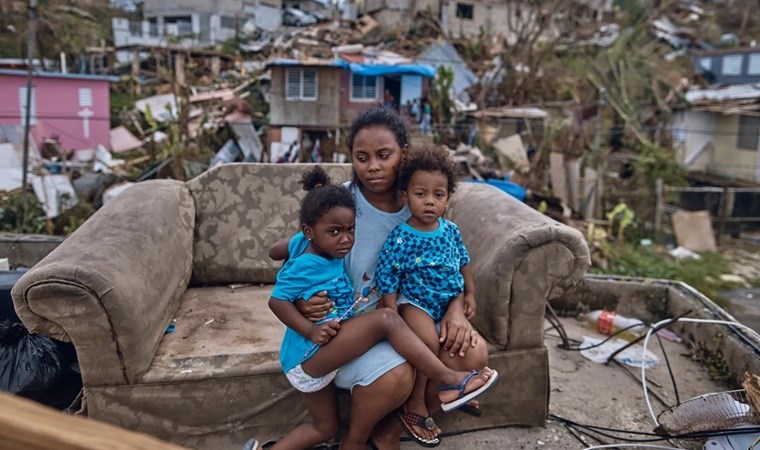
(376, 157)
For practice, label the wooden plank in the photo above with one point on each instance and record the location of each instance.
(28, 425)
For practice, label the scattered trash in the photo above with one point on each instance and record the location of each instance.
(684, 253)
(631, 356)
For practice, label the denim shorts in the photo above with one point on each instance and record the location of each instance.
(304, 382)
(364, 370)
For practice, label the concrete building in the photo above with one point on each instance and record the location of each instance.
(196, 22)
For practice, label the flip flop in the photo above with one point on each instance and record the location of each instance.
(463, 398)
(251, 444)
(409, 419)
(471, 410)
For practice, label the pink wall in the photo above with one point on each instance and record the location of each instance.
(58, 110)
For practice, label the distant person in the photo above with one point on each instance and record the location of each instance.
(389, 101)
(427, 117)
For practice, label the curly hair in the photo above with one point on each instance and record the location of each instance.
(322, 196)
(428, 159)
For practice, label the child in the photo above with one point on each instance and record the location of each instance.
(311, 353)
(423, 264)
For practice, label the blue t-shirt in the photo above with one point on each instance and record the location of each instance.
(423, 266)
(302, 276)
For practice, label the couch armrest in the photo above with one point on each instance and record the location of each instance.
(112, 287)
(520, 259)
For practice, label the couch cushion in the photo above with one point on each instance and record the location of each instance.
(219, 332)
(242, 209)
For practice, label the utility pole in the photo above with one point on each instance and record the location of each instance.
(30, 70)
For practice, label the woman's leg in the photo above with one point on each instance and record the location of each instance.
(422, 324)
(323, 408)
(371, 408)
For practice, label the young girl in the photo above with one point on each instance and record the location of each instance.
(311, 352)
(423, 264)
(380, 380)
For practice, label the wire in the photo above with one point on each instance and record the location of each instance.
(754, 444)
(646, 343)
(632, 446)
(670, 369)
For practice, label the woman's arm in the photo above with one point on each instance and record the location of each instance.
(289, 315)
(316, 308)
(456, 330)
(279, 250)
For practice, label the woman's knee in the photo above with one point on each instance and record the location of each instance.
(475, 359)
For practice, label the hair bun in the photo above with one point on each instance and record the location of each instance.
(314, 178)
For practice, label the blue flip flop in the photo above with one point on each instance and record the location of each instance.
(252, 444)
(463, 398)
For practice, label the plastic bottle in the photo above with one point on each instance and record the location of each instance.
(609, 323)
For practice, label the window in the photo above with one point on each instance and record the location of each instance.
(464, 11)
(85, 97)
(228, 22)
(732, 65)
(301, 84)
(363, 88)
(705, 63)
(754, 64)
(22, 105)
(749, 131)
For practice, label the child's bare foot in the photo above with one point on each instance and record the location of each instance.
(417, 423)
(470, 386)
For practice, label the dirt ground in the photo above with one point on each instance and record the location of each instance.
(595, 394)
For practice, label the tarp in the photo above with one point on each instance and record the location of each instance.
(444, 54)
(398, 69)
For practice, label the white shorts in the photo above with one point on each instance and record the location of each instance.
(304, 382)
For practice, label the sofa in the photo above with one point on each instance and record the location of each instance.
(163, 292)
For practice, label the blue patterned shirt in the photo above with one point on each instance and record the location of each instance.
(423, 266)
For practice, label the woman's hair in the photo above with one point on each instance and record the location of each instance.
(322, 196)
(428, 159)
(377, 116)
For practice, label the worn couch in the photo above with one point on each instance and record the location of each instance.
(195, 255)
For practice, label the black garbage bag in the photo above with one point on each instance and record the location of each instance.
(29, 363)
(38, 367)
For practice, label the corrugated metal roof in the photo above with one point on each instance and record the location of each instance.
(444, 54)
(69, 76)
(733, 92)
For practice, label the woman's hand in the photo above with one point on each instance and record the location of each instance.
(316, 308)
(457, 335)
(322, 333)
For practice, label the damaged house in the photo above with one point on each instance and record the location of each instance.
(316, 98)
(719, 131)
(74, 109)
(194, 22)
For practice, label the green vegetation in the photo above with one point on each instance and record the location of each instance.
(654, 262)
(21, 213)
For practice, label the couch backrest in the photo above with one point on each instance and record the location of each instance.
(242, 209)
